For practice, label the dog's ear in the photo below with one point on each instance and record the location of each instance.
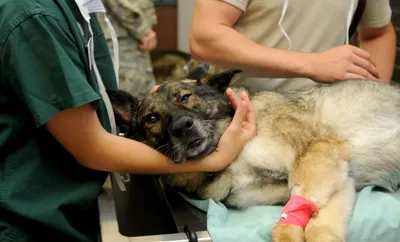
(220, 80)
(124, 106)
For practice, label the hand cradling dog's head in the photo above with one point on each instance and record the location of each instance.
(183, 120)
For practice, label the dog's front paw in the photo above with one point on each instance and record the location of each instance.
(287, 233)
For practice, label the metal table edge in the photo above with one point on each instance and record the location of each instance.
(109, 231)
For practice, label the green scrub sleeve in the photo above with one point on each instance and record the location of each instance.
(42, 66)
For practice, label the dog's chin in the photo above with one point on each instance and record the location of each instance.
(194, 151)
(203, 149)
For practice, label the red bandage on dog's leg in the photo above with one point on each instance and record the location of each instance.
(298, 211)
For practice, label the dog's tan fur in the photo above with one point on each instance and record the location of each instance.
(323, 144)
(314, 156)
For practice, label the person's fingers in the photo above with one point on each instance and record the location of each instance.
(367, 66)
(245, 97)
(152, 45)
(366, 55)
(152, 34)
(142, 42)
(353, 76)
(251, 114)
(233, 98)
(240, 116)
(146, 47)
(149, 41)
(354, 69)
(143, 45)
(372, 61)
(364, 74)
(248, 126)
(361, 53)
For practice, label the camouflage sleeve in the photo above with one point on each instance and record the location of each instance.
(151, 13)
(136, 16)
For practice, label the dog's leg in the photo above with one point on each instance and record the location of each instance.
(315, 176)
(331, 223)
(218, 189)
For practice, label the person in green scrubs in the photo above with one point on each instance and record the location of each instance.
(56, 145)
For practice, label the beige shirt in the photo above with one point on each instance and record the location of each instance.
(312, 26)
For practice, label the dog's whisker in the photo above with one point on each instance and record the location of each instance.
(162, 147)
(166, 155)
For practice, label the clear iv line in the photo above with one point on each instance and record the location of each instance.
(106, 100)
(115, 46)
(285, 6)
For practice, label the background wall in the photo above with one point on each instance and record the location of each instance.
(166, 28)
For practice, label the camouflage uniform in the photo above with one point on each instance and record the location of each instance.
(131, 19)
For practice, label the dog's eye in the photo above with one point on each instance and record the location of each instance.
(185, 97)
(151, 118)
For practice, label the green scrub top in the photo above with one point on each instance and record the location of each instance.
(44, 69)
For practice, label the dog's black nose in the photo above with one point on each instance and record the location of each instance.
(182, 127)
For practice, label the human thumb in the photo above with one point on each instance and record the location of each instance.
(240, 114)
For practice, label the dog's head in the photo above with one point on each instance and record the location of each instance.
(182, 119)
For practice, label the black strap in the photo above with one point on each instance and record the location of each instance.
(357, 17)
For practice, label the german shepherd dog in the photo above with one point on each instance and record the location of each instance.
(324, 144)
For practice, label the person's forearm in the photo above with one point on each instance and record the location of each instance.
(383, 51)
(118, 154)
(225, 47)
(80, 132)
